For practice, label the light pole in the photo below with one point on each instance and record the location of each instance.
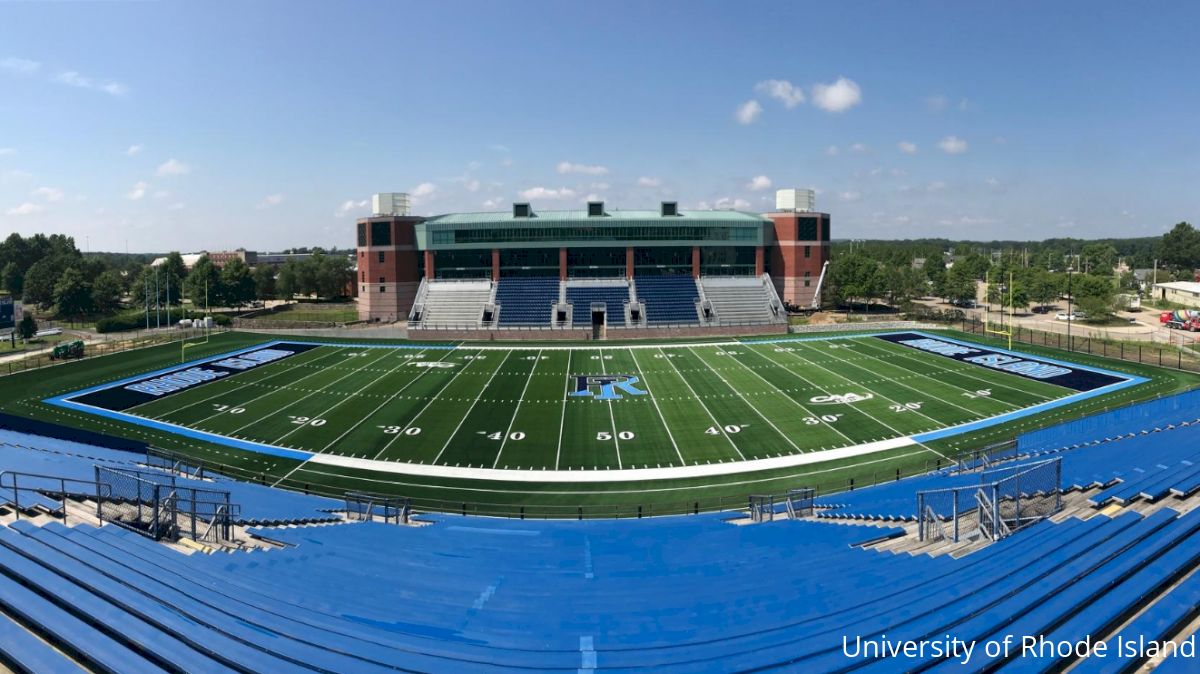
(1070, 306)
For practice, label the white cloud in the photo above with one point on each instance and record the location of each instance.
(952, 145)
(7, 151)
(592, 197)
(506, 162)
(74, 79)
(907, 147)
(850, 196)
(837, 97)
(748, 112)
(936, 103)
(134, 150)
(999, 140)
(898, 173)
(138, 191)
(423, 190)
(349, 206)
(48, 194)
(15, 174)
(20, 66)
(832, 151)
(491, 203)
(472, 185)
(173, 167)
(27, 208)
(474, 165)
(727, 203)
(759, 183)
(783, 90)
(649, 181)
(271, 200)
(177, 206)
(160, 195)
(600, 186)
(992, 182)
(547, 193)
(496, 147)
(859, 148)
(590, 170)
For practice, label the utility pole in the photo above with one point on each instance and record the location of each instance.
(1070, 307)
(157, 302)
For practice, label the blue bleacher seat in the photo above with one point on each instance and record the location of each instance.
(668, 299)
(527, 301)
(614, 297)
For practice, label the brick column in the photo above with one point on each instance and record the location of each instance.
(695, 261)
(629, 262)
(562, 264)
(758, 261)
(429, 265)
(495, 265)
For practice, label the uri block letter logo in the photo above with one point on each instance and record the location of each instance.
(604, 386)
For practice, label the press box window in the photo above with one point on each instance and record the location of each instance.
(381, 234)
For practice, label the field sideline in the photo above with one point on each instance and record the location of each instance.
(593, 414)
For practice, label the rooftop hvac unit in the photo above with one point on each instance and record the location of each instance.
(390, 203)
(796, 200)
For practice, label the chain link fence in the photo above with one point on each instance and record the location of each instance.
(1005, 500)
(153, 504)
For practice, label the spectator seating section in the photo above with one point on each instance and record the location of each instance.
(668, 299)
(527, 301)
(1150, 466)
(739, 301)
(455, 303)
(477, 594)
(258, 504)
(614, 297)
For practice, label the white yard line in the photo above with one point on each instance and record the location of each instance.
(611, 418)
(301, 399)
(409, 424)
(562, 420)
(937, 365)
(642, 380)
(473, 404)
(755, 408)
(937, 424)
(255, 398)
(503, 441)
(975, 414)
(718, 424)
(389, 399)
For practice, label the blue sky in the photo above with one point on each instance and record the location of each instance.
(269, 124)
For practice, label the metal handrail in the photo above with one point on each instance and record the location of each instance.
(61, 491)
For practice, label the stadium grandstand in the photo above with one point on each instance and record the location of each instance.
(593, 272)
(1077, 545)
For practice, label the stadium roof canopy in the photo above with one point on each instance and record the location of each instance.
(581, 217)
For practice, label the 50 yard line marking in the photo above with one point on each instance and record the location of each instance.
(503, 441)
(473, 404)
(611, 418)
(642, 379)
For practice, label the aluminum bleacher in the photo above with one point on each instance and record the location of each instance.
(527, 301)
(740, 301)
(455, 303)
(614, 295)
(669, 300)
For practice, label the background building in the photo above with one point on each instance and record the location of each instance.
(396, 250)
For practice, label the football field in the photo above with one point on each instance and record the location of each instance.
(582, 408)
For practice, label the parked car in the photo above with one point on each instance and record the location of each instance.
(1064, 316)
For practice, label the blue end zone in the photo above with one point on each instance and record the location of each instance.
(66, 401)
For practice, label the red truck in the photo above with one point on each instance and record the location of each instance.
(1181, 319)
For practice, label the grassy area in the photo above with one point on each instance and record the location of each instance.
(7, 348)
(311, 313)
(368, 405)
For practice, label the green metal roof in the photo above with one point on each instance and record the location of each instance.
(580, 217)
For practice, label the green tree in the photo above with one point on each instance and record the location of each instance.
(73, 294)
(203, 284)
(172, 275)
(959, 286)
(264, 282)
(333, 275)
(27, 328)
(287, 283)
(106, 292)
(13, 279)
(39, 283)
(1044, 288)
(237, 284)
(1180, 247)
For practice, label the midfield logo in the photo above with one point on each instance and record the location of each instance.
(588, 385)
(840, 399)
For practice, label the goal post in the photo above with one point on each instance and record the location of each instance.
(1002, 328)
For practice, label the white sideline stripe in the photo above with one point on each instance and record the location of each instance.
(625, 475)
